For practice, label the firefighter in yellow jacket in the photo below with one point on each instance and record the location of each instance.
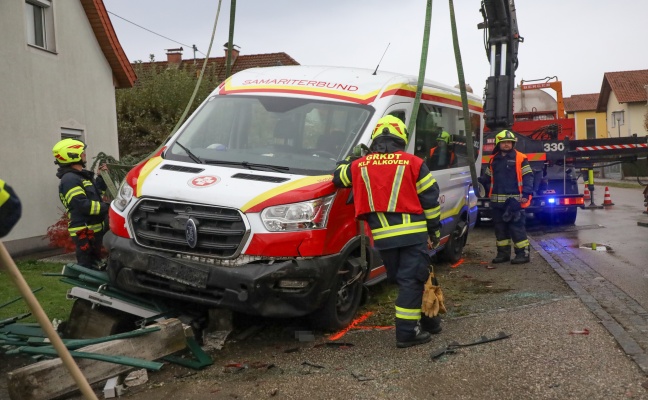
(509, 178)
(81, 193)
(396, 194)
(10, 208)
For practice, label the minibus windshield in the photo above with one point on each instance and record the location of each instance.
(282, 134)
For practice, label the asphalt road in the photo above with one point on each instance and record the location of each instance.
(625, 263)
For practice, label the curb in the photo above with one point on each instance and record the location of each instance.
(627, 343)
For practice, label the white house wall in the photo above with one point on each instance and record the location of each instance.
(637, 113)
(614, 105)
(634, 117)
(43, 92)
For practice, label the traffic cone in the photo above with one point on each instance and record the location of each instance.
(607, 200)
(586, 194)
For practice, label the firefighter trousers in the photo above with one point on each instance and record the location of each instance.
(408, 267)
(88, 248)
(511, 232)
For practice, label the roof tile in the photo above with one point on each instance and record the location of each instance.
(628, 86)
(242, 62)
(581, 102)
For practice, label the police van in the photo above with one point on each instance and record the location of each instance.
(238, 210)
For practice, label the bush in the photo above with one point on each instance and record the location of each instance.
(637, 168)
(58, 234)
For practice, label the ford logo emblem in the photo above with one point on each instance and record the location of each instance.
(191, 233)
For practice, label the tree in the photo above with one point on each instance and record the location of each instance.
(147, 113)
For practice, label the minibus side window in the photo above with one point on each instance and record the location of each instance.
(436, 127)
(440, 136)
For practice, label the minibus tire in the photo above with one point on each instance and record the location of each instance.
(339, 309)
(454, 248)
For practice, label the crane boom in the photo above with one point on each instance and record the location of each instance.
(501, 41)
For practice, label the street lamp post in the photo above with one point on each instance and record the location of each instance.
(617, 116)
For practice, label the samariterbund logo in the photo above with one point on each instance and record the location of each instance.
(203, 181)
(302, 82)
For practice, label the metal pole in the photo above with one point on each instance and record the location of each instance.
(590, 174)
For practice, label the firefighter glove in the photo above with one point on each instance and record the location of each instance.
(433, 299)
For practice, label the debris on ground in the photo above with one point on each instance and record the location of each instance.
(453, 346)
(114, 387)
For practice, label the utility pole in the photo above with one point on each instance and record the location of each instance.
(230, 43)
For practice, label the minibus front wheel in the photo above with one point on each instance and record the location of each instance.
(455, 245)
(343, 302)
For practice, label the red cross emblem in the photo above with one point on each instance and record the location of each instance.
(204, 181)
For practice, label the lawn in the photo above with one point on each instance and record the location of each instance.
(51, 296)
(622, 184)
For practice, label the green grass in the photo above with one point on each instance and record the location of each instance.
(51, 297)
(624, 185)
(381, 304)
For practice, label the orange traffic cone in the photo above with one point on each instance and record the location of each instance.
(586, 194)
(607, 200)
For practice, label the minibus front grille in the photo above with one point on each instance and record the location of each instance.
(162, 225)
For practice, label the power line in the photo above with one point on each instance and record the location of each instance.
(155, 33)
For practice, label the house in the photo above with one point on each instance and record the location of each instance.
(589, 124)
(217, 64)
(623, 99)
(61, 63)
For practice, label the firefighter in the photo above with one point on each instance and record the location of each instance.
(81, 195)
(510, 179)
(441, 156)
(396, 194)
(10, 208)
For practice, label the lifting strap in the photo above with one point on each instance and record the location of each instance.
(470, 150)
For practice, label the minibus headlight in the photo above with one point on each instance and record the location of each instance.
(124, 196)
(312, 214)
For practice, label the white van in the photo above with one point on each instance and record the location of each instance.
(238, 209)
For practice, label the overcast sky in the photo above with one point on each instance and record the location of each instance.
(575, 40)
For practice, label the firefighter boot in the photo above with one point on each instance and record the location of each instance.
(503, 254)
(522, 255)
(419, 336)
(432, 325)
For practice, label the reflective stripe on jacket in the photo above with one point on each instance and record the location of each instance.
(522, 168)
(81, 198)
(396, 194)
(389, 183)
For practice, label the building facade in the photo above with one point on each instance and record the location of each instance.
(623, 99)
(61, 62)
(589, 124)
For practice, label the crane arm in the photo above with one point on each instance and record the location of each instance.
(501, 42)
